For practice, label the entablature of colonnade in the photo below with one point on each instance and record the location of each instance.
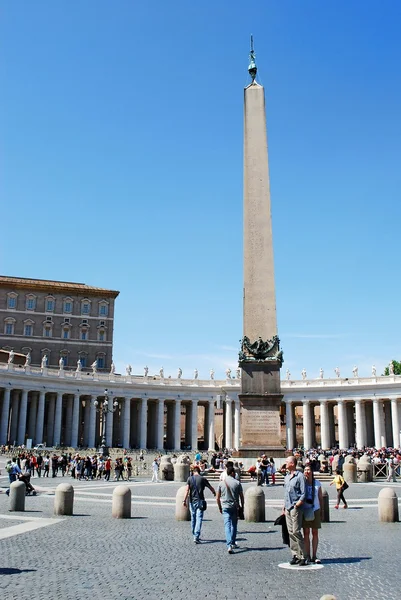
(52, 379)
(317, 390)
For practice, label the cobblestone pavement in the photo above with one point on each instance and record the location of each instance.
(152, 556)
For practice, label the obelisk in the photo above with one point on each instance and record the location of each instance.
(260, 357)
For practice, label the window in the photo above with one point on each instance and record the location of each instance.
(30, 302)
(9, 330)
(84, 334)
(67, 320)
(85, 309)
(102, 336)
(102, 323)
(65, 332)
(12, 301)
(49, 305)
(47, 331)
(103, 309)
(84, 359)
(100, 362)
(64, 356)
(84, 321)
(28, 330)
(67, 305)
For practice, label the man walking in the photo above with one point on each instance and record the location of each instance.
(294, 496)
(229, 498)
(195, 490)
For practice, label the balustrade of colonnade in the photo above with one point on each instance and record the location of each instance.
(58, 407)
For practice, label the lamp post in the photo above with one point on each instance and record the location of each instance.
(103, 408)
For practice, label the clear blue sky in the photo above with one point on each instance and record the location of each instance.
(121, 166)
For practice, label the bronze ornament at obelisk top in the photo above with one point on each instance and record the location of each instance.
(260, 357)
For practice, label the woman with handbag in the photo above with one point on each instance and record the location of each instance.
(313, 499)
(341, 485)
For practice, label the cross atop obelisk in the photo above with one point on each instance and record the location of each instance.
(260, 357)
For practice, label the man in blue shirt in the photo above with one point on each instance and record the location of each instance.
(294, 497)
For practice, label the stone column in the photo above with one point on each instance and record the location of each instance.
(57, 419)
(237, 426)
(211, 442)
(342, 426)
(160, 424)
(40, 419)
(324, 425)
(50, 419)
(87, 420)
(5, 413)
(143, 433)
(109, 424)
(194, 425)
(22, 417)
(75, 421)
(177, 425)
(229, 423)
(360, 439)
(14, 416)
(127, 422)
(378, 422)
(307, 422)
(289, 424)
(92, 423)
(32, 416)
(395, 421)
(68, 421)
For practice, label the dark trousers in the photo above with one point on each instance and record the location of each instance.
(340, 496)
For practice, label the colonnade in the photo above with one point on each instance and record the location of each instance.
(62, 418)
(347, 422)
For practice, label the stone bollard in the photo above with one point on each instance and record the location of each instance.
(182, 513)
(388, 506)
(349, 472)
(326, 509)
(255, 505)
(181, 472)
(364, 470)
(64, 499)
(121, 503)
(328, 597)
(166, 469)
(17, 496)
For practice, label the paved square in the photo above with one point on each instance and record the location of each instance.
(152, 556)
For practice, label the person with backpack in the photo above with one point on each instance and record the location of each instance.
(196, 485)
(341, 485)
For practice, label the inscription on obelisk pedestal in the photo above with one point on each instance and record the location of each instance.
(260, 357)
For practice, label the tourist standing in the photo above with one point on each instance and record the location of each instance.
(196, 485)
(339, 481)
(230, 498)
(107, 469)
(315, 497)
(155, 470)
(294, 496)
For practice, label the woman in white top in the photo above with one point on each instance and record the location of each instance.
(313, 485)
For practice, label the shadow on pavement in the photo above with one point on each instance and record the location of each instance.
(263, 549)
(345, 560)
(10, 571)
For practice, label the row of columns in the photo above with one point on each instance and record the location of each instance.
(360, 421)
(73, 418)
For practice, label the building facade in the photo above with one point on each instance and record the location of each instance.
(58, 407)
(72, 321)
